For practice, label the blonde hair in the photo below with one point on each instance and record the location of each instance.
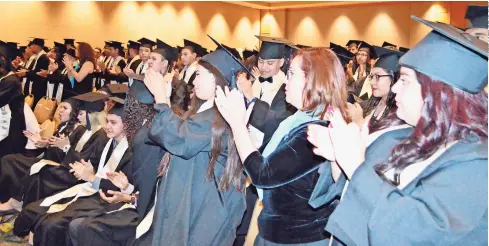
(97, 120)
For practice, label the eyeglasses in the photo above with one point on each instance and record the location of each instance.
(376, 76)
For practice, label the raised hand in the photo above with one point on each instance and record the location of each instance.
(231, 106)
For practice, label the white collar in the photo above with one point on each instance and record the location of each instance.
(207, 105)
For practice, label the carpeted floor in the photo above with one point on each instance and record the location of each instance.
(8, 238)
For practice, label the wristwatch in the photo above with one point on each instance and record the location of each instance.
(133, 199)
(66, 148)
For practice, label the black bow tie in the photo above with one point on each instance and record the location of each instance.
(269, 79)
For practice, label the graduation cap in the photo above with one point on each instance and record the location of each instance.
(342, 53)
(449, 55)
(179, 48)
(224, 61)
(233, 51)
(91, 101)
(272, 48)
(37, 41)
(388, 59)
(366, 46)
(70, 41)
(198, 49)
(171, 53)
(387, 44)
(71, 52)
(133, 45)
(350, 42)
(61, 47)
(404, 50)
(9, 52)
(146, 43)
(303, 46)
(46, 49)
(249, 53)
(22, 49)
(118, 108)
(118, 90)
(115, 45)
(107, 43)
(477, 16)
(13, 44)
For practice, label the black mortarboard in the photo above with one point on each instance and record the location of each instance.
(179, 48)
(147, 43)
(115, 45)
(118, 90)
(365, 45)
(118, 108)
(9, 52)
(71, 52)
(388, 59)
(38, 41)
(300, 46)
(61, 47)
(198, 49)
(224, 61)
(233, 51)
(249, 53)
(342, 53)
(272, 48)
(449, 55)
(387, 44)
(133, 45)
(171, 52)
(70, 41)
(404, 50)
(477, 16)
(350, 42)
(91, 102)
(107, 43)
(22, 49)
(46, 49)
(13, 44)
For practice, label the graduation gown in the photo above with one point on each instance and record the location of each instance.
(52, 229)
(114, 78)
(267, 118)
(190, 209)
(445, 204)
(133, 65)
(14, 168)
(119, 228)
(11, 95)
(39, 84)
(52, 179)
(60, 79)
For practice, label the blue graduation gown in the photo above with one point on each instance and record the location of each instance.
(446, 204)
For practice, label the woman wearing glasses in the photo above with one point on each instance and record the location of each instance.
(380, 109)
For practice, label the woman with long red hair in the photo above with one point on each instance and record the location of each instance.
(426, 184)
(287, 169)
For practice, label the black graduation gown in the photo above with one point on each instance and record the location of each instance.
(60, 77)
(15, 168)
(52, 179)
(267, 118)
(39, 85)
(52, 229)
(11, 94)
(108, 76)
(122, 77)
(190, 209)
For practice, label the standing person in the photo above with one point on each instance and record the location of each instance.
(69, 43)
(352, 46)
(358, 70)
(116, 65)
(266, 98)
(287, 168)
(132, 63)
(12, 124)
(202, 177)
(36, 84)
(190, 54)
(412, 184)
(81, 77)
(138, 68)
(58, 75)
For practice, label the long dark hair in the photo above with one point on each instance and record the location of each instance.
(233, 172)
(70, 124)
(388, 117)
(448, 114)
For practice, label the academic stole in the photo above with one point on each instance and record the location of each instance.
(5, 116)
(85, 189)
(113, 64)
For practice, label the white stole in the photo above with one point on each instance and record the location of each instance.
(366, 88)
(85, 189)
(189, 71)
(139, 70)
(267, 91)
(83, 140)
(113, 64)
(27, 65)
(30, 125)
